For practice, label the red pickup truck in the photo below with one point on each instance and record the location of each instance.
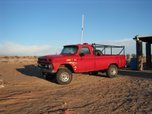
(85, 57)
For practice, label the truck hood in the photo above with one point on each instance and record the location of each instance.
(48, 58)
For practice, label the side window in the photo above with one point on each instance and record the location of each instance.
(85, 50)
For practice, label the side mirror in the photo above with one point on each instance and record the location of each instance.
(82, 54)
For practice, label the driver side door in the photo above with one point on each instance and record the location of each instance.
(86, 60)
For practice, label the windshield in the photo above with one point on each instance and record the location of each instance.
(69, 50)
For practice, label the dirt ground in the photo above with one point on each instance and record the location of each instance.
(24, 91)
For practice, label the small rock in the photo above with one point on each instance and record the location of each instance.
(1, 84)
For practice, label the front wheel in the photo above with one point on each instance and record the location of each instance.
(112, 71)
(64, 76)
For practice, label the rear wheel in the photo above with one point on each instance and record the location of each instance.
(112, 71)
(64, 76)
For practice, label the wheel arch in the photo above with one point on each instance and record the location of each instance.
(68, 66)
(113, 64)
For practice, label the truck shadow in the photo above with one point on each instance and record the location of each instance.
(32, 70)
(134, 73)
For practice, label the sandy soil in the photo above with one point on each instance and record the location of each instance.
(24, 91)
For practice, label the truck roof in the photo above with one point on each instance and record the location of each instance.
(80, 44)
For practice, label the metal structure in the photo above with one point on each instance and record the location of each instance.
(112, 49)
(139, 51)
(82, 32)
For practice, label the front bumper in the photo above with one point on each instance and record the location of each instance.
(48, 71)
(46, 68)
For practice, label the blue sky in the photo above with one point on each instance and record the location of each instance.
(37, 27)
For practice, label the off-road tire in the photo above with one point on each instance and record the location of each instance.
(112, 71)
(64, 76)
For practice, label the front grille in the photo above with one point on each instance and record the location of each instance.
(45, 66)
